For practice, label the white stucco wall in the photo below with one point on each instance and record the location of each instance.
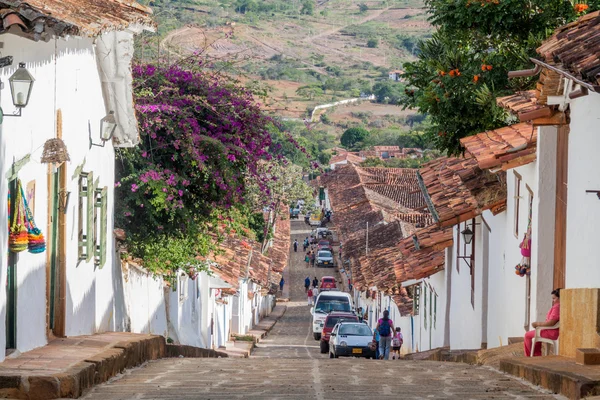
(66, 78)
(583, 209)
(466, 318)
(144, 297)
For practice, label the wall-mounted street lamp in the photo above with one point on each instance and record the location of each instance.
(21, 84)
(108, 125)
(467, 235)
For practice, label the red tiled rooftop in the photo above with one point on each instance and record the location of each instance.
(507, 147)
(77, 17)
(575, 48)
(459, 190)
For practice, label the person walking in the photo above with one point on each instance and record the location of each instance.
(306, 284)
(307, 259)
(397, 342)
(305, 244)
(315, 294)
(315, 282)
(385, 328)
(309, 295)
(312, 259)
(295, 245)
(359, 314)
(281, 283)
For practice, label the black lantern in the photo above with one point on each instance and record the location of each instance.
(21, 83)
(467, 235)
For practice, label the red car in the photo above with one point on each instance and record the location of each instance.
(325, 245)
(327, 283)
(331, 320)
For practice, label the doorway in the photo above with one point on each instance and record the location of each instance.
(11, 281)
(560, 230)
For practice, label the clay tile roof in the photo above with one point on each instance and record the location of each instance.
(426, 259)
(279, 252)
(349, 157)
(507, 147)
(75, 17)
(459, 190)
(575, 48)
(403, 301)
(386, 148)
(521, 102)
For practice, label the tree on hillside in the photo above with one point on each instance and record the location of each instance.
(310, 92)
(353, 136)
(372, 43)
(308, 7)
(463, 68)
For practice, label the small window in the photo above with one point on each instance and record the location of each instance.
(517, 202)
(86, 233)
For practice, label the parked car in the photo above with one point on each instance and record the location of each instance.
(351, 339)
(294, 213)
(321, 232)
(330, 322)
(325, 258)
(324, 245)
(327, 302)
(327, 283)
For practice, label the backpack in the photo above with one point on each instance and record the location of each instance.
(384, 327)
(397, 341)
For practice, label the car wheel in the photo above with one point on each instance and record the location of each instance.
(324, 347)
(317, 336)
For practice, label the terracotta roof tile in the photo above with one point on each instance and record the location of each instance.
(76, 17)
(575, 48)
(521, 102)
(507, 147)
(459, 190)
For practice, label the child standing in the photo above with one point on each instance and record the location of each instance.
(310, 296)
(397, 342)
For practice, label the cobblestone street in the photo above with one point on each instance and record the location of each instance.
(287, 365)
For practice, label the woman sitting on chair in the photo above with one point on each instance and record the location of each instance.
(551, 319)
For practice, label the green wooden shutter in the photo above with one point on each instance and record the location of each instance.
(89, 242)
(81, 237)
(101, 203)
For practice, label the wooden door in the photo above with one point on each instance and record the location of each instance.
(560, 228)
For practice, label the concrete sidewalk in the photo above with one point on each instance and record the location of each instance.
(67, 367)
(243, 348)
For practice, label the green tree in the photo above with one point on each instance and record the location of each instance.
(308, 7)
(310, 92)
(372, 43)
(463, 67)
(353, 136)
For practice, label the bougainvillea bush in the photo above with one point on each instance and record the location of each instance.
(201, 140)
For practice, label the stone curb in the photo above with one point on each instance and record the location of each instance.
(75, 381)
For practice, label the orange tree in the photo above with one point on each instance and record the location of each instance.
(463, 67)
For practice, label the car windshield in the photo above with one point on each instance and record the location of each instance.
(324, 254)
(355, 330)
(330, 304)
(331, 321)
(327, 280)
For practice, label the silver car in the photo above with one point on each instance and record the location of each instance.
(324, 258)
(351, 339)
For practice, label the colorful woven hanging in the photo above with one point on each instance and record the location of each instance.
(36, 242)
(18, 237)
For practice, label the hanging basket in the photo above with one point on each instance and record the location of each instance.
(55, 152)
(18, 237)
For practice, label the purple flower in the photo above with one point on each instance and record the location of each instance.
(134, 187)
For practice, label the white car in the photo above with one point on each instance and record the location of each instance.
(331, 300)
(325, 258)
(351, 339)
